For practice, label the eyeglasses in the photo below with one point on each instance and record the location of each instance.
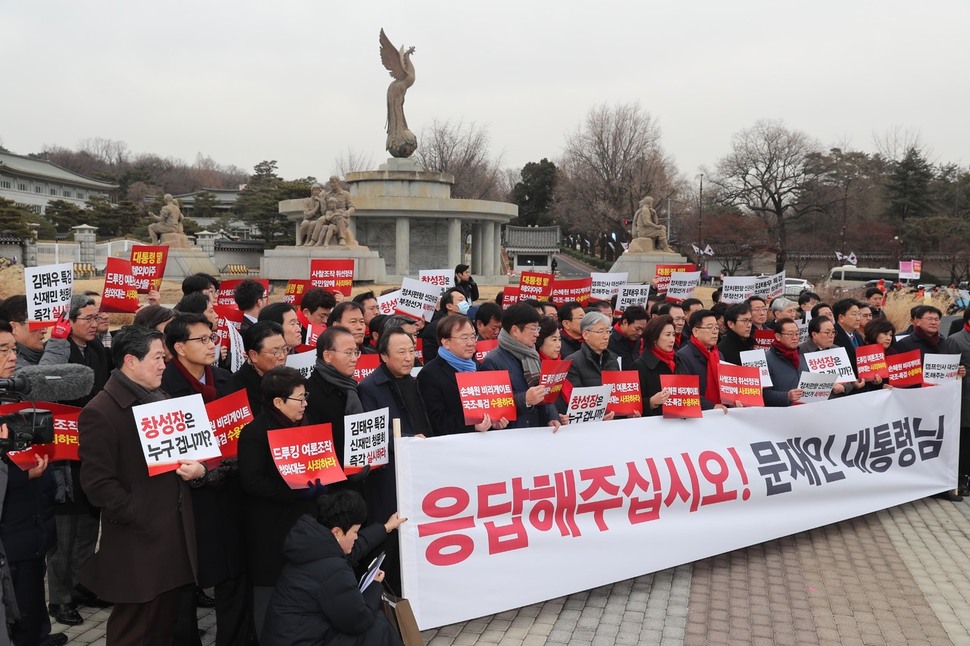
(209, 338)
(826, 332)
(88, 319)
(276, 352)
(531, 329)
(349, 353)
(304, 398)
(5, 351)
(790, 335)
(759, 310)
(591, 331)
(709, 328)
(103, 317)
(743, 322)
(930, 319)
(465, 338)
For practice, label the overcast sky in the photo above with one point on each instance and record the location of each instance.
(301, 81)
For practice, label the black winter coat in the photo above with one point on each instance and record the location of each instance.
(27, 525)
(317, 601)
(731, 346)
(650, 368)
(271, 507)
(326, 405)
(690, 361)
(246, 378)
(439, 390)
(218, 507)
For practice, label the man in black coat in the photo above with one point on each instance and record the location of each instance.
(266, 349)
(847, 320)
(570, 316)
(331, 389)
(626, 339)
(737, 338)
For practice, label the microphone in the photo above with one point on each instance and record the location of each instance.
(63, 382)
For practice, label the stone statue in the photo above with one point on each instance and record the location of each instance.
(312, 210)
(401, 142)
(329, 215)
(647, 229)
(169, 221)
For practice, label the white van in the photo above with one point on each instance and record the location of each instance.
(850, 276)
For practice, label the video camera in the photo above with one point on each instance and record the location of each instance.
(25, 427)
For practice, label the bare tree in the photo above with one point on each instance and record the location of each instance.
(766, 175)
(462, 150)
(893, 144)
(610, 162)
(352, 161)
(108, 151)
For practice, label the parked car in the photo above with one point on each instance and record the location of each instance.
(795, 286)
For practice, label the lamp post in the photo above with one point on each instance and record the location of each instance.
(700, 213)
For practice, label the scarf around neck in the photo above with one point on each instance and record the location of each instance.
(932, 341)
(207, 389)
(142, 394)
(789, 355)
(713, 388)
(527, 356)
(459, 364)
(344, 383)
(665, 357)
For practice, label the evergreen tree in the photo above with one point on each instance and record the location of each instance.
(64, 215)
(13, 219)
(908, 186)
(258, 203)
(534, 193)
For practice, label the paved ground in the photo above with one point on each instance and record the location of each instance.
(899, 576)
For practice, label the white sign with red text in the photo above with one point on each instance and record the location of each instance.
(497, 508)
(175, 429)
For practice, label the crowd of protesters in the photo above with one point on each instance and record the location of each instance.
(276, 557)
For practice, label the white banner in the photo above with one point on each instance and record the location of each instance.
(737, 289)
(940, 368)
(388, 302)
(366, 438)
(629, 295)
(303, 361)
(605, 286)
(834, 361)
(757, 359)
(506, 516)
(417, 299)
(237, 349)
(588, 404)
(49, 289)
(770, 286)
(682, 285)
(816, 386)
(442, 278)
(172, 430)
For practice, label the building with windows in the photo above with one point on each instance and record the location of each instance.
(35, 182)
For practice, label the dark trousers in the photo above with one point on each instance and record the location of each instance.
(34, 626)
(77, 535)
(234, 615)
(144, 624)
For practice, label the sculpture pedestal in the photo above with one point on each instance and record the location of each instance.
(284, 263)
(642, 267)
(185, 262)
(175, 241)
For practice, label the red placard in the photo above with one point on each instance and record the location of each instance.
(64, 446)
(685, 395)
(295, 289)
(313, 332)
(336, 275)
(905, 369)
(764, 338)
(227, 288)
(871, 361)
(661, 278)
(553, 375)
(625, 399)
(486, 392)
(510, 296)
(482, 348)
(148, 266)
(305, 454)
(740, 384)
(534, 284)
(228, 415)
(419, 350)
(366, 364)
(120, 288)
(573, 289)
(227, 316)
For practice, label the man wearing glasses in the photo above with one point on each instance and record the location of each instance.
(784, 365)
(331, 390)
(847, 324)
(700, 357)
(266, 349)
(570, 316)
(737, 338)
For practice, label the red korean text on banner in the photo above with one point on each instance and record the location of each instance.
(685, 395)
(905, 369)
(366, 364)
(740, 384)
(148, 266)
(625, 400)
(305, 454)
(227, 316)
(572, 289)
(764, 338)
(120, 291)
(64, 446)
(419, 350)
(295, 289)
(482, 348)
(553, 375)
(313, 332)
(661, 279)
(486, 392)
(228, 415)
(227, 289)
(534, 284)
(510, 296)
(335, 275)
(871, 361)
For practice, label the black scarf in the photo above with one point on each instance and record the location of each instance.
(142, 394)
(344, 383)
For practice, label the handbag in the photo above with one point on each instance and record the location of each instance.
(401, 617)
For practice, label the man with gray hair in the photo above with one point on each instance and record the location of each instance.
(593, 356)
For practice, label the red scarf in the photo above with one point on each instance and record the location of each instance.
(207, 389)
(543, 355)
(666, 357)
(679, 340)
(791, 355)
(713, 392)
(966, 328)
(932, 341)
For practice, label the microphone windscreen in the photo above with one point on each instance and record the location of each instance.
(64, 382)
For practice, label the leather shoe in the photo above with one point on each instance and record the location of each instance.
(57, 639)
(952, 496)
(65, 613)
(202, 600)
